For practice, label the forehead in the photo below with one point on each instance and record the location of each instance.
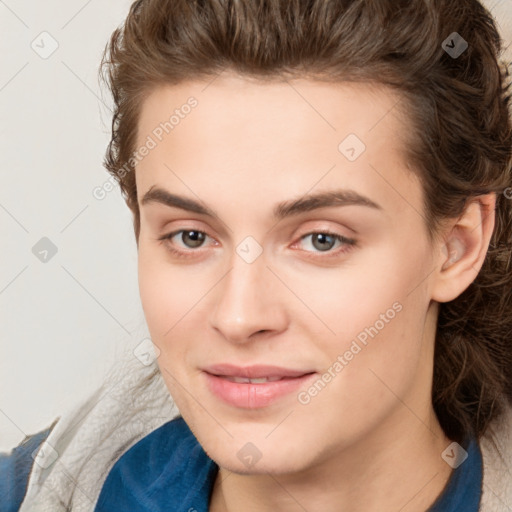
(307, 108)
(245, 133)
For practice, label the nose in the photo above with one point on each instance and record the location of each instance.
(249, 301)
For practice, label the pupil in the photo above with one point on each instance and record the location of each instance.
(323, 238)
(196, 237)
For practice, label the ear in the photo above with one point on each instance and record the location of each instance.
(461, 251)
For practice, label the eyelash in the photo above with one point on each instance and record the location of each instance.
(349, 243)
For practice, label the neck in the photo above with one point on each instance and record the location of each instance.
(398, 468)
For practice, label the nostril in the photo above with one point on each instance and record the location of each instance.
(262, 332)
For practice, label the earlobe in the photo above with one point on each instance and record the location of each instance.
(463, 249)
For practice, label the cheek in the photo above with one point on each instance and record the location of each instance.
(376, 300)
(168, 301)
(387, 369)
(158, 302)
(377, 311)
(374, 281)
(168, 292)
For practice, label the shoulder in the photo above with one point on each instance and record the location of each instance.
(496, 446)
(15, 468)
(169, 445)
(164, 467)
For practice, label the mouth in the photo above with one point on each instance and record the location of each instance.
(253, 372)
(254, 392)
(245, 380)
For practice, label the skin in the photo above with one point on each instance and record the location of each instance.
(368, 441)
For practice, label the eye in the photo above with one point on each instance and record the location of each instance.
(190, 238)
(195, 238)
(325, 241)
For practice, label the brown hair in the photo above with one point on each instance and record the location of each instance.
(458, 106)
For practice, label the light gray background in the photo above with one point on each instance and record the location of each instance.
(64, 321)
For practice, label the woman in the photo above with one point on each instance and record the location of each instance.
(322, 208)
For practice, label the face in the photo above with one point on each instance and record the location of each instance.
(247, 269)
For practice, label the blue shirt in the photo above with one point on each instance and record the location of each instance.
(169, 471)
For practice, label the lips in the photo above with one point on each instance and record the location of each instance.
(256, 386)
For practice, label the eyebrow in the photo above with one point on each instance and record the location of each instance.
(282, 210)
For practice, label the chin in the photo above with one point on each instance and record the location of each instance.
(252, 458)
(274, 466)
